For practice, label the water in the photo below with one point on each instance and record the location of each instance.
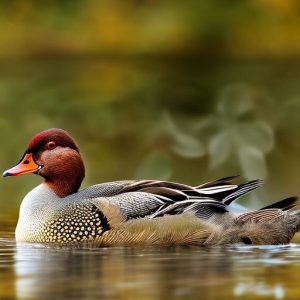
(237, 272)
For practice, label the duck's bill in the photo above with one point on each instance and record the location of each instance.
(26, 165)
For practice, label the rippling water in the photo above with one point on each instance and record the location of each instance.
(33, 271)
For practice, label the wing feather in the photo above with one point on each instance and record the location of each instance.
(261, 216)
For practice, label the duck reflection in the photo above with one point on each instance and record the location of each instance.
(123, 273)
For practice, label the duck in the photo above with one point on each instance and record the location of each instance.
(136, 212)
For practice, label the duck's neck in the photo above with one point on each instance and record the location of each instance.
(64, 186)
(66, 180)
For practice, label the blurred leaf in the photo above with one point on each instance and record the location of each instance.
(219, 149)
(256, 134)
(206, 123)
(235, 101)
(207, 127)
(252, 162)
(189, 149)
(155, 166)
(184, 144)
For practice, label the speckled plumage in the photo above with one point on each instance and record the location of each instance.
(53, 220)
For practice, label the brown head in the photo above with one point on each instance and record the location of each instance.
(54, 155)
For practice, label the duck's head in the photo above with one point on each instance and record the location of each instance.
(54, 155)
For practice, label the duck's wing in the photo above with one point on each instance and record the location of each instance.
(156, 198)
(133, 205)
(114, 188)
(125, 200)
(222, 189)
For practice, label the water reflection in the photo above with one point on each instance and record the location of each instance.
(149, 273)
(125, 273)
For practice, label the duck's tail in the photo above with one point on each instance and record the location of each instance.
(295, 215)
(284, 204)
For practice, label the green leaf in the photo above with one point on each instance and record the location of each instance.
(253, 162)
(235, 101)
(188, 147)
(207, 123)
(256, 134)
(185, 145)
(219, 148)
(157, 165)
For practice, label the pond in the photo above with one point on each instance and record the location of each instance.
(37, 272)
(181, 120)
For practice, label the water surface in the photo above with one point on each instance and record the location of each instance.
(33, 271)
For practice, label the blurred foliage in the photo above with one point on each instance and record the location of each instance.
(218, 28)
(231, 129)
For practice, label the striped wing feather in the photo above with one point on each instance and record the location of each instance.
(152, 198)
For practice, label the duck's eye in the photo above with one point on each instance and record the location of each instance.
(51, 145)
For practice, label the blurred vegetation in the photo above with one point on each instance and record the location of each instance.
(217, 28)
(186, 91)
